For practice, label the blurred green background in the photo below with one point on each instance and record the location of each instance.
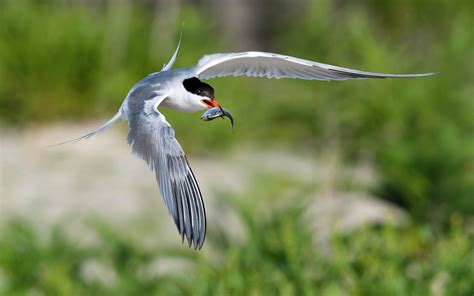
(64, 62)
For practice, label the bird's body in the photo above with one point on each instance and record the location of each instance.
(165, 82)
(152, 137)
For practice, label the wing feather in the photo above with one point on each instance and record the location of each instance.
(168, 66)
(153, 139)
(271, 65)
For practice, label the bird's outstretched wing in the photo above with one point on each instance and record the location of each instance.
(152, 139)
(271, 65)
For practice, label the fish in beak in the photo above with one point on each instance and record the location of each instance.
(217, 112)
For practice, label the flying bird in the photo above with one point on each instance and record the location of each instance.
(153, 139)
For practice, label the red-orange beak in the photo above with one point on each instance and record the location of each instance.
(211, 103)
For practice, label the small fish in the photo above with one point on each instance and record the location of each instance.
(212, 114)
(217, 112)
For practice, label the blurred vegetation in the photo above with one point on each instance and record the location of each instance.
(75, 61)
(277, 257)
(64, 61)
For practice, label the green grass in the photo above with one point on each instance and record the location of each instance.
(276, 257)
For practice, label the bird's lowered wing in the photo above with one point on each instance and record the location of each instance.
(152, 139)
(271, 65)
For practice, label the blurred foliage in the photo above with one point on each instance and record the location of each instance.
(277, 257)
(61, 60)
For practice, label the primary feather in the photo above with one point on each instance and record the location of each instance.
(272, 65)
(152, 139)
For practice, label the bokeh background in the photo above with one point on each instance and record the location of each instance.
(326, 188)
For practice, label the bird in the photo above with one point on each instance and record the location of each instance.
(153, 139)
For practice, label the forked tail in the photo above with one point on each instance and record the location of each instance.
(96, 131)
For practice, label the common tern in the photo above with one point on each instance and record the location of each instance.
(153, 139)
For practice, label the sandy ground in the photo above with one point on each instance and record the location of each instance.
(69, 184)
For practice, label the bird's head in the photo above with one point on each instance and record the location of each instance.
(205, 94)
(201, 91)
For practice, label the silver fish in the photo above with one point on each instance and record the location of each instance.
(217, 112)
